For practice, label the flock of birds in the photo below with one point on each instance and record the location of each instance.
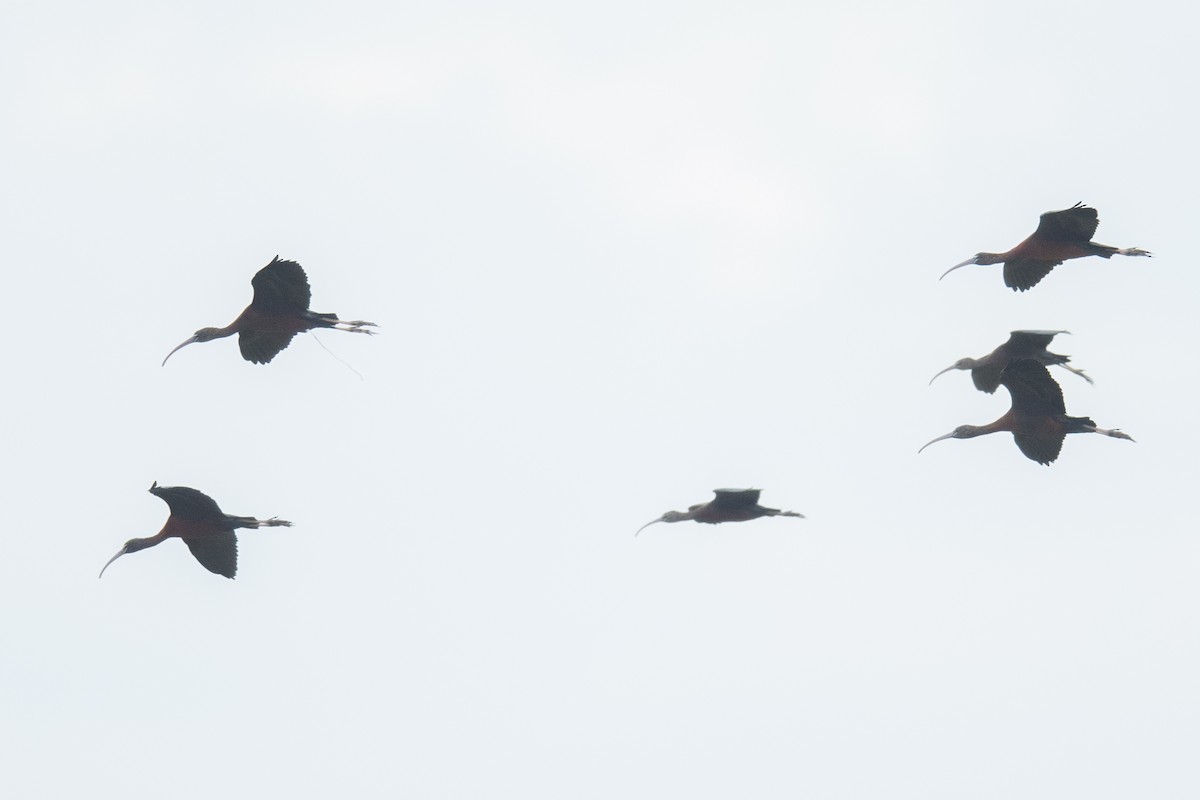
(277, 312)
(1037, 419)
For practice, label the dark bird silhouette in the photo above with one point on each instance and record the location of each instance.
(729, 505)
(1038, 418)
(985, 372)
(1060, 235)
(203, 526)
(278, 312)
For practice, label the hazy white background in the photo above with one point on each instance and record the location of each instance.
(621, 255)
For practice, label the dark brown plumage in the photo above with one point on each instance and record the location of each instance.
(727, 505)
(985, 372)
(202, 525)
(278, 311)
(1037, 419)
(1060, 235)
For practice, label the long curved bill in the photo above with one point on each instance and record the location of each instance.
(188, 341)
(120, 553)
(968, 262)
(938, 439)
(647, 525)
(943, 372)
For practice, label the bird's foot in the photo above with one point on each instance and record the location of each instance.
(1134, 251)
(1115, 433)
(356, 326)
(1078, 372)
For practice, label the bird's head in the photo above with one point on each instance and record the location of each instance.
(962, 363)
(961, 432)
(132, 546)
(670, 516)
(202, 335)
(206, 334)
(972, 260)
(978, 258)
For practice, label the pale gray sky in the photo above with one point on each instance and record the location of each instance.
(621, 255)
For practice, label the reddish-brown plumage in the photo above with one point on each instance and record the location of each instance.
(728, 505)
(985, 372)
(278, 312)
(1037, 419)
(202, 525)
(1060, 236)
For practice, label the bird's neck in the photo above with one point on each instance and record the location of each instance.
(971, 431)
(133, 545)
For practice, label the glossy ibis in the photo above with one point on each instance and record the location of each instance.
(985, 372)
(1038, 418)
(1060, 235)
(203, 526)
(729, 505)
(278, 312)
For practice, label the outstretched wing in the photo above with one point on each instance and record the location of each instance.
(187, 503)
(1025, 343)
(259, 347)
(1023, 273)
(1043, 447)
(731, 499)
(281, 287)
(1075, 224)
(216, 552)
(1033, 391)
(986, 376)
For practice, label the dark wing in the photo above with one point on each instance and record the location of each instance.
(730, 499)
(1022, 344)
(260, 347)
(1024, 273)
(281, 287)
(986, 376)
(1075, 224)
(188, 503)
(1033, 391)
(1042, 448)
(217, 552)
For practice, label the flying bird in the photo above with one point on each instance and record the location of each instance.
(278, 312)
(985, 372)
(1061, 235)
(203, 526)
(729, 505)
(1038, 418)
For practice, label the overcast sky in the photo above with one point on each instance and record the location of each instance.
(620, 255)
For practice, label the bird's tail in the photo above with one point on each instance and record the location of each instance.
(331, 321)
(1078, 424)
(1086, 425)
(1105, 251)
(323, 320)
